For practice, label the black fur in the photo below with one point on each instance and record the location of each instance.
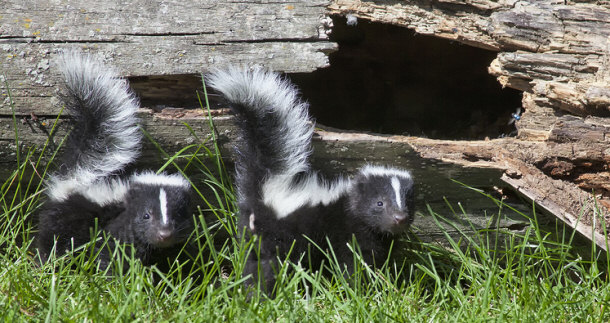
(140, 223)
(135, 220)
(87, 191)
(275, 132)
(69, 224)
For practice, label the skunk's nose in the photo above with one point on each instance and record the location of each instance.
(165, 234)
(399, 218)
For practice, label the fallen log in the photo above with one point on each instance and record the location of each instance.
(556, 52)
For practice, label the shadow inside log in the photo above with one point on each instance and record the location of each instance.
(168, 91)
(383, 79)
(387, 79)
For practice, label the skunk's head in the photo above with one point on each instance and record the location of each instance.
(383, 198)
(160, 206)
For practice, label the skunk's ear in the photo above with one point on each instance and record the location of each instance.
(361, 186)
(134, 194)
(131, 193)
(360, 183)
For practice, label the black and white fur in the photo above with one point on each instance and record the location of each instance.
(282, 199)
(148, 210)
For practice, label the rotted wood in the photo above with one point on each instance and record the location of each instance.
(152, 38)
(547, 173)
(556, 50)
(557, 53)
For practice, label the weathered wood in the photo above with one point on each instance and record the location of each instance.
(555, 51)
(464, 21)
(113, 21)
(558, 53)
(583, 224)
(170, 42)
(536, 170)
(154, 38)
(570, 82)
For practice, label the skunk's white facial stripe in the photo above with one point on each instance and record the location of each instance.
(163, 205)
(396, 187)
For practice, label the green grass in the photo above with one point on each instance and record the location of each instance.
(532, 276)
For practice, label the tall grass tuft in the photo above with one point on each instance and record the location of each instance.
(491, 274)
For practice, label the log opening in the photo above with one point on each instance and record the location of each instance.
(162, 91)
(383, 79)
(387, 79)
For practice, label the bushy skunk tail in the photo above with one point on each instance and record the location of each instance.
(105, 135)
(275, 124)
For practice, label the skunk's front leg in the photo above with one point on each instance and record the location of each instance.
(262, 273)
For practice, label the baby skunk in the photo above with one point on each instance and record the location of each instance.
(146, 210)
(282, 200)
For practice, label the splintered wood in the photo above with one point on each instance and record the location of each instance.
(557, 53)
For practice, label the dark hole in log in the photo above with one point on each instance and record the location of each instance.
(383, 79)
(167, 91)
(386, 79)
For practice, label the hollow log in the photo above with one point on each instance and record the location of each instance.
(555, 52)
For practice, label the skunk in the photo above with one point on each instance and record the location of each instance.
(89, 191)
(283, 201)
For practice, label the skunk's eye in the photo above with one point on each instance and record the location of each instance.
(379, 203)
(146, 216)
